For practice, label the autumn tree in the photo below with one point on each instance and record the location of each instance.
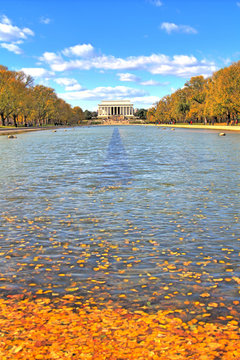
(44, 104)
(6, 80)
(77, 115)
(224, 93)
(151, 115)
(196, 93)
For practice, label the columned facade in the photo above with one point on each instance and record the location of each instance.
(120, 108)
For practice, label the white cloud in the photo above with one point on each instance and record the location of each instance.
(178, 65)
(84, 50)
(51, 58)
(171, 27)
(5, 20)
(238, 4)
(65, 81)
(38, 72)
(107, 93)
(11, 36)
(133, 78)
(75, 87)
(151, 83)
(11, 47)
(145, 101)
(10, 33)
(128, 77)
(45, 20)
(157, 3)
(184, 60)
(70, 84)
(28, 32)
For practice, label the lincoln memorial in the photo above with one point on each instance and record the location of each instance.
(116, 108)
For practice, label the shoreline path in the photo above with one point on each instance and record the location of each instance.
(235, 128)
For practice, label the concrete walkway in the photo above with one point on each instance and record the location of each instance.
(203, 127)
(14, 131)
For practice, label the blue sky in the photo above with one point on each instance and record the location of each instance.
(141, 50)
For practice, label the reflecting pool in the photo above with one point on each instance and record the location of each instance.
(144, 216)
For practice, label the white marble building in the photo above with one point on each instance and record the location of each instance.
(115, 108)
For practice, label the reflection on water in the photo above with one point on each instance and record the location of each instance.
(134, 214)
(116, 170)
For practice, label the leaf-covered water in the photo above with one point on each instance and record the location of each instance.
(144, 216)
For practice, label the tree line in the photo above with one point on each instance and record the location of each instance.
(215, 99)
(23, 104)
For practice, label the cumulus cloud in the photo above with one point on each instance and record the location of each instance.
(11, 36)
(133, 78)
(5, 20)
(69, 84)
(151, 83)
(75, 87)
(38, 72)
(65, 81)
(11, 47)
(103, 93)
(178, 65)
(145, 101)
(84, 50)
(51, 58)
(11, 33)
(171, 27)
(128, 77)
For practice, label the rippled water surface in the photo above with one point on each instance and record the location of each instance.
(141, 215)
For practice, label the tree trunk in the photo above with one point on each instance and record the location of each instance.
(228, 118)
(15, 120)
(3, 119)
(25, 120)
